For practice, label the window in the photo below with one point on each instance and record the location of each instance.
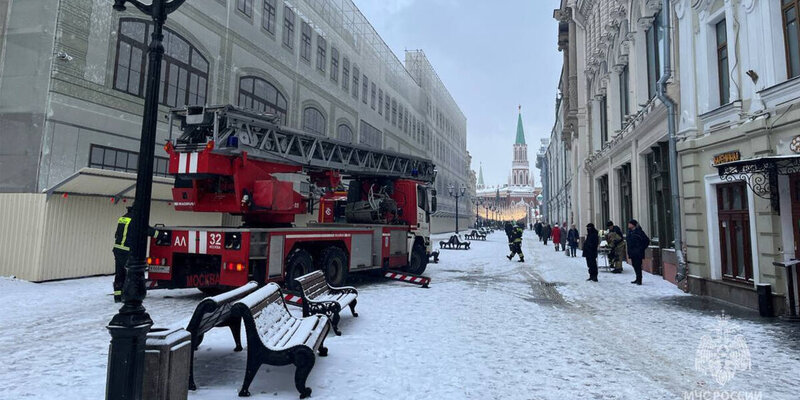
(322, 49)
(734, 231)
(372, 93)
(334, 64)
(386, 112)
(260, 95)
(380, 101)
(288, 27)
(603, 183)
(268, 17)
(603, 121)
(624, 99)
(313, 121)
(123, 160)
(652, 37)
(660, 200)
(345, 74)
(184, 71)
(394, 112)
(305, 41)
(625, 193)
(344, 133)
(245, 6)
(355, 82)
(370, 135)
(400, 116)
(722, 63)
(791, 37)
(364, 89)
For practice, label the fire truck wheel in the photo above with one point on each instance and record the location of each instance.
(418, 260)
(298, 264)
(334, 265)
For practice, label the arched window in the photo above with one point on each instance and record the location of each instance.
(260, 95)
(184, 71)
(344, 133)
(313, 121)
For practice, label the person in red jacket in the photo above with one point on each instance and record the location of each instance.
(557, 237)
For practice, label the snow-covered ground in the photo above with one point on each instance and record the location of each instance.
(488, 328)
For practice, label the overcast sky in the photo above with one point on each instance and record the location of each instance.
(492, 56)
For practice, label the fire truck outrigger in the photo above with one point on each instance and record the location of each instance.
(288, 187)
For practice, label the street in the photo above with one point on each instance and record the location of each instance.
(487, 328)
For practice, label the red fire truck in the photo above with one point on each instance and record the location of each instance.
(306, 202)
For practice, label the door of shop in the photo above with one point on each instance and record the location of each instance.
(734, 232)
(794, 187)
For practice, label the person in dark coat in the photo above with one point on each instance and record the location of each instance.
(537, 227)
(546, 232)
(516, 244)
(563, 238)
(590, 251)
(573, 236)
(637, 242)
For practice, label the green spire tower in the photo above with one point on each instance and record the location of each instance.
(520, 168)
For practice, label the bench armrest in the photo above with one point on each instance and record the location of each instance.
(343, 289)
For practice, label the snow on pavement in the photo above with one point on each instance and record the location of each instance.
(488, 328)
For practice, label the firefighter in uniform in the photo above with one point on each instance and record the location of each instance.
(516, 243)
(122, 251)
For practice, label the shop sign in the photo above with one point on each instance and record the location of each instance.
(727, 157)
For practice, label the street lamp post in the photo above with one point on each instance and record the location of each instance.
(129, 327)
(456, 194)
(478, 202)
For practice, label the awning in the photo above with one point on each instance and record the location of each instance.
(112, 184)
(761, 174)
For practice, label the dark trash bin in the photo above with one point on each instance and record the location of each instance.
(765, 308)
(167, 357)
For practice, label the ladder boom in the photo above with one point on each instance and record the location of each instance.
(234, 130)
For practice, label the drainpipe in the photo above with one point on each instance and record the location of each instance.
(673, 153)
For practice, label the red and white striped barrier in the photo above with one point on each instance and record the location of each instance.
(293, 300)
(415, 279)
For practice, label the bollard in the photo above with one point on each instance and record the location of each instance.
(166, 364)
(764, 291)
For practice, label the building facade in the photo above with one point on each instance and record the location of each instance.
(735, 82)
(740, 148)
(71, 93)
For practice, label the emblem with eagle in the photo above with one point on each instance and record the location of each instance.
(722, 354)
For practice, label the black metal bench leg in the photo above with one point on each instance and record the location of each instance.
(192, 386)
(323, 351)
(236, 331)
(353, 308)
(304, 361)
(335, 323)
(250, 373)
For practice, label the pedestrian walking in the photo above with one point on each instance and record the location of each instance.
(590, 251)
(537, 227)
(616, 244)
(573, 236)
(557, 237)
(516, 244)
(122, 250)
(546, 232)
(563, 241)
(637, 242)
(509, 230)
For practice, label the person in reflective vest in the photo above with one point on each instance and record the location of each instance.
(516, 243)
(122, 250)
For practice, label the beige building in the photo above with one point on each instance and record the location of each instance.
(71, 96)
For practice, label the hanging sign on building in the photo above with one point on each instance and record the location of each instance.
(727, 157)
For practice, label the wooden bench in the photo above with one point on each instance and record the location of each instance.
(474, 235)
(276, 337)
(215, 312)
(454, 243)
(321, 298)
